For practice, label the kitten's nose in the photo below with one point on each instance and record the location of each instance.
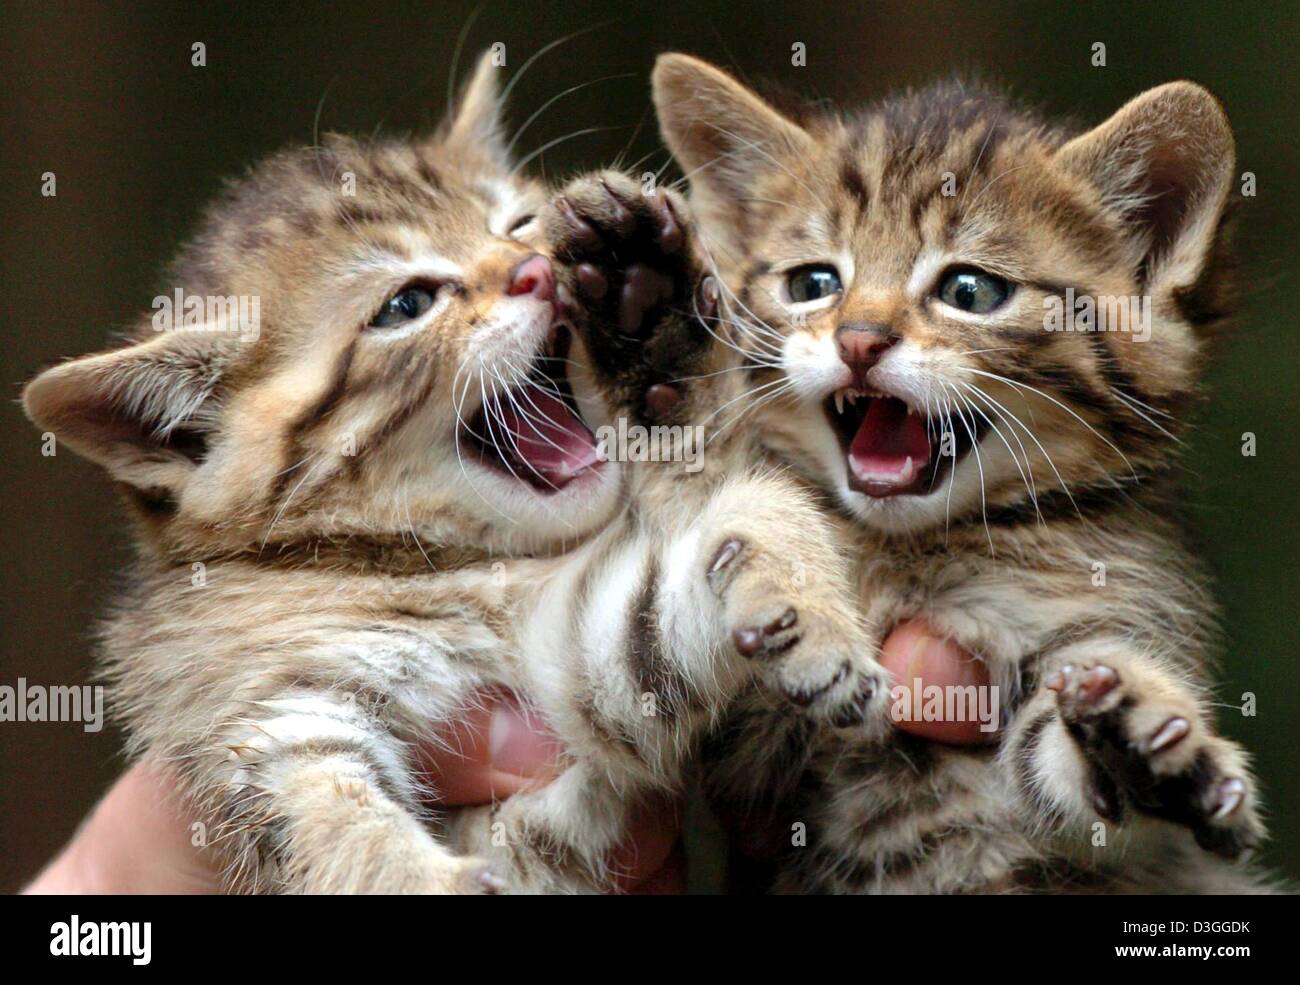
(861, 347)
(533, 276)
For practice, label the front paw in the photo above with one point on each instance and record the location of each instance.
(406, 870)
(628, 259)
(809, 650)
(461, 877)
(1148, 747)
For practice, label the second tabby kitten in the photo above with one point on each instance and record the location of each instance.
(893, 275)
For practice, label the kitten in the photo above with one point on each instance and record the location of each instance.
(902, 281)
(388, 498)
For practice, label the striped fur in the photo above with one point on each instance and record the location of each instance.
(1065, 447)
(326, 573)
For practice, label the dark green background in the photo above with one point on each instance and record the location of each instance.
(105, 96)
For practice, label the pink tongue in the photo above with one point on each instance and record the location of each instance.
(886, 439)
(549, 441)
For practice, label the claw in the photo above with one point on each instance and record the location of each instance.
(729, 552)
(1230, 795)
(707, 303)
(584, 235)
(623, 220)
(750, 640)
(491, 883)
(1169, 734)
(670, 230)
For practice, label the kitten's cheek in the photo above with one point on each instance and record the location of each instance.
(489, 753)
(913, 653)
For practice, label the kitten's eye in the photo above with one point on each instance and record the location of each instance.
(518, 225)
(406, 305)
(975, 291)
(813, 283)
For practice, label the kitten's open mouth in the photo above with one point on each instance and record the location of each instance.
(533, 431)
(891, 448)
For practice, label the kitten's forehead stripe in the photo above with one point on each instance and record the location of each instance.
(852, 179)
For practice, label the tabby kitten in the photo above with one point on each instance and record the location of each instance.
(910, 285)
(388, 498)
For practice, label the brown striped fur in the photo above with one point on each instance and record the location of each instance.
(327, 573)
(1069, 443)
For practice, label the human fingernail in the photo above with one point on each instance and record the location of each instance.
(519, 743)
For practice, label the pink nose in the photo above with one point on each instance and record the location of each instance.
(533, 276)
(862, 347)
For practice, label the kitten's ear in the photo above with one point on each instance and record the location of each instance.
(722, 133)
(1164, 163)
(476, 121)
(142, 411)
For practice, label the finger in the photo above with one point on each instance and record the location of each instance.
(652, 837)
(914, 653)
(492, 751)
(670, 880)
(139, 839)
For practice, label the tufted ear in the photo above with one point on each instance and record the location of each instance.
(476, 121)
(721, 133)
(143, 411)
(1164, 165)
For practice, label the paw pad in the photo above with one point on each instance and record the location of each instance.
(591, 282)
(1083, 687)
(644, 290)
(661, 400)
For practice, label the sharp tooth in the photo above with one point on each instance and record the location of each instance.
(839, 401)
(911, 411)
(907, 470)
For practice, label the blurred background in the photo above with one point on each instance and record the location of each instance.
(105, 96)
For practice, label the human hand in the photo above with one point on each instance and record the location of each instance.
(914, 652)
(137, 839)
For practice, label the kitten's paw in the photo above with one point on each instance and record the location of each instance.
(629, 249)
(458, 877)
(411, 870)
(1148, 747)
(813, 654)
(628, 258)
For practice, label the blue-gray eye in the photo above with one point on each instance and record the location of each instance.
(968, 289)
(406, 305)
(813, 283)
